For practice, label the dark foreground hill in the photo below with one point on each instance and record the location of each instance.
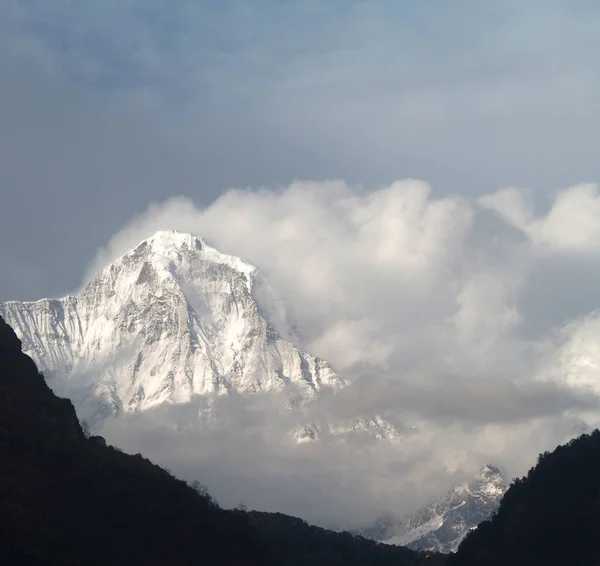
(66, 499)
(550, 517)
(296, 543)
(70, 500)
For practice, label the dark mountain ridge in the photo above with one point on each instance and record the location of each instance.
(296, 543)
(550, 517)
(72, 500)
(67, 499)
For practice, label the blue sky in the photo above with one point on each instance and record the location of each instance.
(110, 105)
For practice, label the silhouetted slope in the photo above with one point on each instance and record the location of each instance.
(69, 500)
(551, 517)
(296, 543)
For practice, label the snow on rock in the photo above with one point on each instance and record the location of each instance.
(171, 319)
(442, 525)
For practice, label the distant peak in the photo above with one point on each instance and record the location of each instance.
(170, 238)
(488, 471)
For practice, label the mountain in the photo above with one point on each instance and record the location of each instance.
(442, 525)
(70, 500)
(171, 319)
(175, 318)
(550, 517)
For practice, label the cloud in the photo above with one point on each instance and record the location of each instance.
(442, 318)
(486, 308)
(572, 355)
(572, 224)
(344, 261)
(417, 300)
(245, 453)
(121, 103)
(396, 277)
(455, 399)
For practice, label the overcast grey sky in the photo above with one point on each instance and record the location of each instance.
(107, 106)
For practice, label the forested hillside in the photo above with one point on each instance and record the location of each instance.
(72, 500)
(550, 517)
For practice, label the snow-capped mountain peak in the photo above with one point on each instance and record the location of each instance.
(169, 248)
(443, 524)
(170, 319)
(491, 482)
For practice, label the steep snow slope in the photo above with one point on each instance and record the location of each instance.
(170, 319)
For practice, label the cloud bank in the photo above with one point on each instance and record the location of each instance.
(121, 103)
(245, 454)
(453, 318)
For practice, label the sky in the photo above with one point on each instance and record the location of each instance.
(415, 179)
(108, 106)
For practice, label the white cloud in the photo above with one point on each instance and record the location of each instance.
(572, 224)
(354, 341)
(396, 277)
(247, 457)
(487, 312)
(343, 260)
(419, 301)
(572, 355)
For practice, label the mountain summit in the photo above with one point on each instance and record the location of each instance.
(550, 517)
(444, 524)
(170, 319)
